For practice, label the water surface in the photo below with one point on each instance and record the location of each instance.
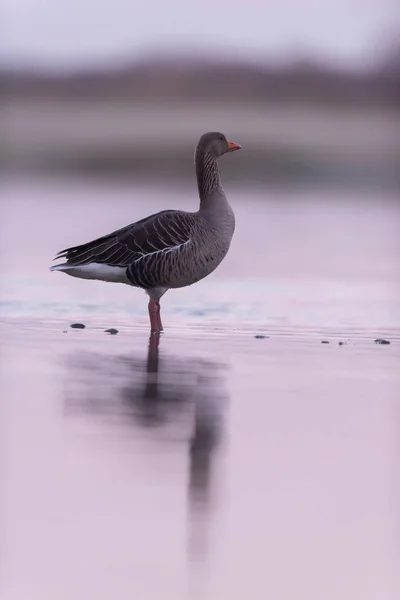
(208, 463)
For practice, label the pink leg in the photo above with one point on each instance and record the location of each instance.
(160, 327)
(154, 314)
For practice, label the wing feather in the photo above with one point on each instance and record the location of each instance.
(161, 232)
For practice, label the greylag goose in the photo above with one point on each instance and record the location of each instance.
(170, 249)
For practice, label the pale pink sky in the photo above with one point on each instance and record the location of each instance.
(71, 32)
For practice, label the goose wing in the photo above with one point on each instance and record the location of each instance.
(162, 232)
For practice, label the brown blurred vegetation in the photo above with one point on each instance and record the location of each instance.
(177, 79)
(297, 122)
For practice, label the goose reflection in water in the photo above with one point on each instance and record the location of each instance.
(172, 398)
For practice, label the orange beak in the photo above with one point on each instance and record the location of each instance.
(232, 146)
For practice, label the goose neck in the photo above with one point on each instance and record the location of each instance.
(208, 179)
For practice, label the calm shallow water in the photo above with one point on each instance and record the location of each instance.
(297, 259)
(213, 464)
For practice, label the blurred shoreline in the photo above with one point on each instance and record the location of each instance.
(174, 78)
(297, 124)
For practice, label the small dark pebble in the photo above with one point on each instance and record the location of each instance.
(381, 341)
(342, 343)
(261, 337)
(324, 342)
(112, 331)
(65, 331)
(78, 326)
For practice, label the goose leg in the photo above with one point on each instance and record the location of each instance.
(154, 314)
(160, 327)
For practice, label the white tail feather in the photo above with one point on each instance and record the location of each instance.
(97, 271)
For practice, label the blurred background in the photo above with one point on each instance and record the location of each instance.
(310, 89)
(101, 107)
(256, 458)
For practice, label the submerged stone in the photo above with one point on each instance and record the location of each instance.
(261, 337)
(78, 326)
(111, 331)
(324, 342)
(382, 341)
